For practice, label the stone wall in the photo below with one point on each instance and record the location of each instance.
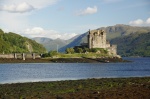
(112, 50)
(21, 55)
(97, 39)
(6, 55)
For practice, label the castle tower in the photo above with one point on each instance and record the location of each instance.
(97, 39)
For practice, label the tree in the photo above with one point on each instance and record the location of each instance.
(79, 50)
(1, 31)
(85, 49)
(101, 50)
(52, 53)
(69, 50)
(11, 42)
(94, 50)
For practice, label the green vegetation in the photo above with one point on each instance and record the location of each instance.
(137, 44)
(79, 50)
(51, 54)
(78, 53)
(69, 50)
(120, 30)
(14, 43)
(105, 88)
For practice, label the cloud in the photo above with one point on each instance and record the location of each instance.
(34, 31)
(40, 32)
(41, 3)
(136, 22)
(19, 8)
(140, 22)
(87, 11)
(13, 21)
(148, 21)
(36, 4)
(14, 16)
(22, 6)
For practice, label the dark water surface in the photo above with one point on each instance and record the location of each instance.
(32, 72)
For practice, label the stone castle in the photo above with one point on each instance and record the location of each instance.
(97, 39)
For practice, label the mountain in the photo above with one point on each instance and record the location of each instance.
(115, 34)
(11, 43)
(42, 39)
(136, 44)
(51, 44)
(75, 42)
(123, 30)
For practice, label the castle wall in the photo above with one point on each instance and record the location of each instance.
(97, 39)
(112, 50)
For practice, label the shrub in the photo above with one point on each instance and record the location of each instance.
(69, 50)
(50, 54)
(102, 50)
(79, 50)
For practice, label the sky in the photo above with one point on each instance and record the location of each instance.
(67, 18)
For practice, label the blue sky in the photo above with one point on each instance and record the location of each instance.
(67, 18)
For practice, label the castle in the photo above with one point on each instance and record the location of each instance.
(97, 39)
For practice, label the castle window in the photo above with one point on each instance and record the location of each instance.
(95, 33)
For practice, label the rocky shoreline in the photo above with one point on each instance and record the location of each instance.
(63, 60)
(104, 88)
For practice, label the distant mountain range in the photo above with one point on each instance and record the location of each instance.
(14, 43)
(51, 44)
(117, 34)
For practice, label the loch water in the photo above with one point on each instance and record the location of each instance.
(35, 72)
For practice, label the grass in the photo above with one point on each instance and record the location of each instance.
(81, 55)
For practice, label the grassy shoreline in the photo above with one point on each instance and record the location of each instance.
(63, 60)
(110, 88)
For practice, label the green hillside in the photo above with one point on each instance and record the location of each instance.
(136, 44)
(11, 43)
(123, 30)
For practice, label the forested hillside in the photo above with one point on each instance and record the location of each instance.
(120, 30)
(136, 44)
(11, 43)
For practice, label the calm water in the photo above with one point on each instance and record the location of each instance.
(31, 72)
